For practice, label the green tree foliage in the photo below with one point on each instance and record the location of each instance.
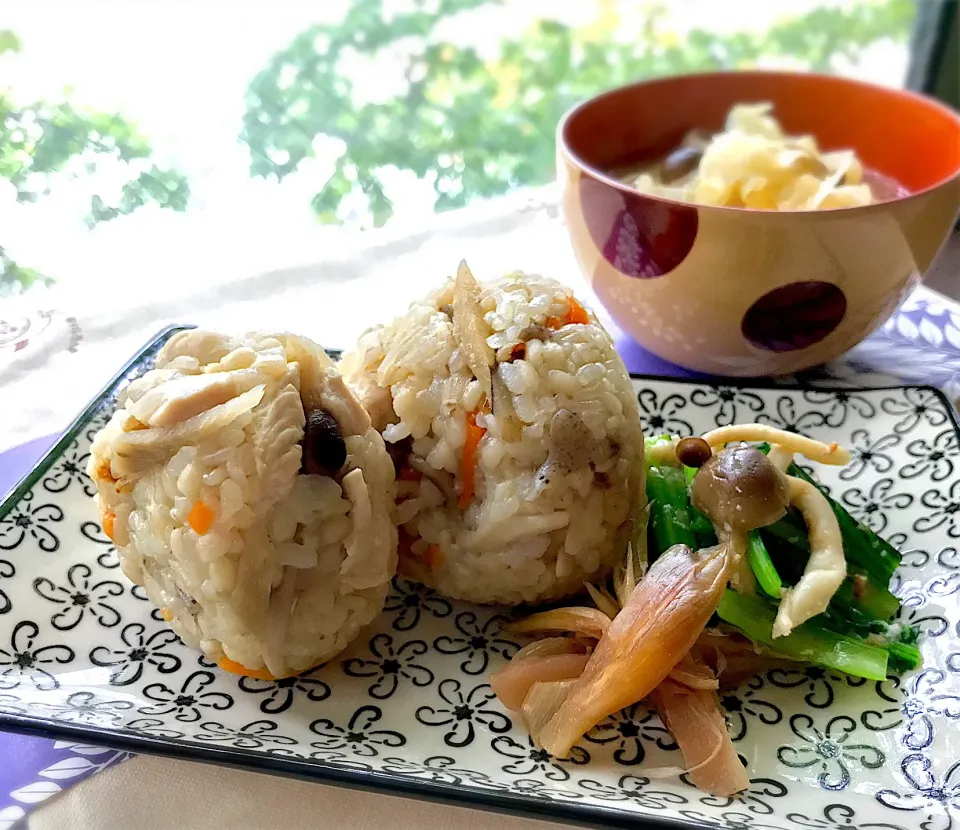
(476, 128)
(40, 140)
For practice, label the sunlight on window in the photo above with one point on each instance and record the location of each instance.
(145, 144)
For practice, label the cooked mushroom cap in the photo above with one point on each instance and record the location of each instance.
(324, 450)
(681, 162)
(693, 452)
(570, 441)
(739, 489)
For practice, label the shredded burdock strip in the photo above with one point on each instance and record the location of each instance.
(470, 330)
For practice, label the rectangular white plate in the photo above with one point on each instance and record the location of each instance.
(84, 656)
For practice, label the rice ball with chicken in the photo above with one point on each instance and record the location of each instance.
(515, 432)
(246, 490)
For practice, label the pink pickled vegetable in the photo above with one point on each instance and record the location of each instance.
(513, 681)
(661, 621)
(694, 719)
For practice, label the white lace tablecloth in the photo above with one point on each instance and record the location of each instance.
(54, 357)
(56, 353)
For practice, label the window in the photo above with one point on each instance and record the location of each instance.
(146, 140)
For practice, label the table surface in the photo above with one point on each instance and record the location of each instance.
(65, 358)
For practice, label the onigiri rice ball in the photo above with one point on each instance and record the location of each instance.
(246, 490)
(515, 432)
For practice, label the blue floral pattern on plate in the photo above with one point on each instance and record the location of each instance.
(410, 704)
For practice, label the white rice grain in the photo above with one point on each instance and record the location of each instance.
(518, 540)
(270, 561)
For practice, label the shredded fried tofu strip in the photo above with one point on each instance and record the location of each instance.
(780, 457)
(814, 450)
(826, 567)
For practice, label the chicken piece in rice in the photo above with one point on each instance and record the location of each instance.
(515, 431)
(247, 491)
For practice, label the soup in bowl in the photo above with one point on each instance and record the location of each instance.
(740, 272)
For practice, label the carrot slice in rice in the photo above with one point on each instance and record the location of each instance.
(433, 558)
(577, 314)
(468, 467)
(200, 517)
(234, 667)
(103, 471)
(109, 524)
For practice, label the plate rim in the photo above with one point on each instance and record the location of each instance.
(392, 784)
(517, 804)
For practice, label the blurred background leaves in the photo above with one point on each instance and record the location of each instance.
(42, 141)
(477, 128)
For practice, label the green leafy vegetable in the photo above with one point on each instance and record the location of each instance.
(810, 642)
(861, 546)
(762, 566)
(670, 512)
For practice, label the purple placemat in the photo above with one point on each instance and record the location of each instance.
(34, 769)
(14, 463)
(919, 344)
